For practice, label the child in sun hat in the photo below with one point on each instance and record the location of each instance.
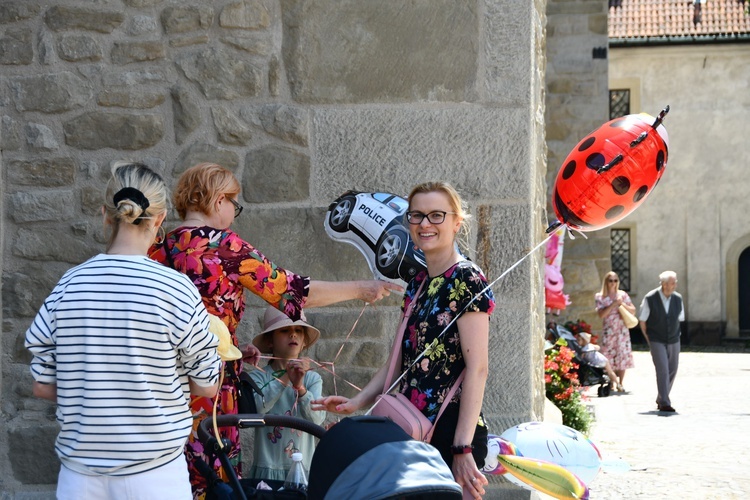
(288, 386)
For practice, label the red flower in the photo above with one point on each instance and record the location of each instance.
(418, 399)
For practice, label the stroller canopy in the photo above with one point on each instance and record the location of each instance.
(372, 458)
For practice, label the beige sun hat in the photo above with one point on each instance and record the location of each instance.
(226, 349)
(273, 319)
(586, 336)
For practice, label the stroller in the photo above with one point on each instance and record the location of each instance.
(588, 375)
(363, 457)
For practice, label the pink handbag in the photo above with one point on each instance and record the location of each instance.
(404, 414)
(396, 406)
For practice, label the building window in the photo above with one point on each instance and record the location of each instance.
(619, 103)
(620, 249)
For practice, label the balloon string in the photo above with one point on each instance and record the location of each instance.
(320, 365)
(216, 403)
(422, 354)
(570, 232)
(350, 332)
(346, 340)
(332, 371)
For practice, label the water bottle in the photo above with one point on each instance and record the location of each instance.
(296, 478)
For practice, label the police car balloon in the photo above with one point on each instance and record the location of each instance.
(374, 223)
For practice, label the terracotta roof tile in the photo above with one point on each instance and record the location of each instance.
(644, 19)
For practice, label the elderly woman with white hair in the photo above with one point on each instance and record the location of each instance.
(662, 310)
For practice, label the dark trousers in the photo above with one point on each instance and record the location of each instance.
(666, 359)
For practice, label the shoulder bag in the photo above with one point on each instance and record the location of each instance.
(627, 317)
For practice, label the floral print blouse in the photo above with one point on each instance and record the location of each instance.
(222, 265)
(441, 299)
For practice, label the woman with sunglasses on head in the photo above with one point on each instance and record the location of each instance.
(615, 343)
(222, 265)
(119, 344)
(453, 286)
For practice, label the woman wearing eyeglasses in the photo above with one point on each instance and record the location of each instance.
(615, 343)
(453, 286)
(222, 265)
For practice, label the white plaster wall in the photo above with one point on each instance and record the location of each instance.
(700, 207)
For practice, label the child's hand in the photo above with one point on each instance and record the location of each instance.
(250, 354)
(295, 370)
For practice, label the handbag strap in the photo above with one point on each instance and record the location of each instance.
(396, 351)
(396, 356)
(448, 397)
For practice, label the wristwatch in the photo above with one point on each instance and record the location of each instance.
(461, 449)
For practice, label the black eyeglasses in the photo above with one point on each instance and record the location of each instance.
(436, 217)
(237, 207)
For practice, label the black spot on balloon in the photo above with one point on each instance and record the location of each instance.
(621, 185)
(567, 215)
(595, 161)
(613, 212)
(569, 170)
(640, 194)
(659, 160)
(587, 144)
(620, 122)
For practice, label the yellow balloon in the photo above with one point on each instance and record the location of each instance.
(544, 476)
(226, 349)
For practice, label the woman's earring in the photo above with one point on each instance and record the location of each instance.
(161, 235)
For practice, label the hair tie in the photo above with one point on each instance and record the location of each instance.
(136, 197)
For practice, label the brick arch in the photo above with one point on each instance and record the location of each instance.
(732, 285)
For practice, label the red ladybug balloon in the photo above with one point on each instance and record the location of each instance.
(611, 172)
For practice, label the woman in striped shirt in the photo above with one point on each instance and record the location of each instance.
(119, 345)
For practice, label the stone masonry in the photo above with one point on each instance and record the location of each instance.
(302, 99)
(577, 103)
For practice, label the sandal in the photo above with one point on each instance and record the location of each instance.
(620, 388)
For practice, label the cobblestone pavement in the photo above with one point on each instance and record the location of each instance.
(700, 452)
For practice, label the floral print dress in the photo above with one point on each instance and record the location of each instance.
(615, 342)
(442, 298)
(222, 265)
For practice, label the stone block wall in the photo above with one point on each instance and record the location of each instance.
(302, 99)
(577, 103)
(695, 222)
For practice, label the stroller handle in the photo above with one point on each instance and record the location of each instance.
(245, 420)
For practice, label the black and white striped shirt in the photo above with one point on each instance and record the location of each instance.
(121, 335)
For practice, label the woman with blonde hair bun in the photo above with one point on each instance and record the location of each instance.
(119, 345)
(615, 343)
